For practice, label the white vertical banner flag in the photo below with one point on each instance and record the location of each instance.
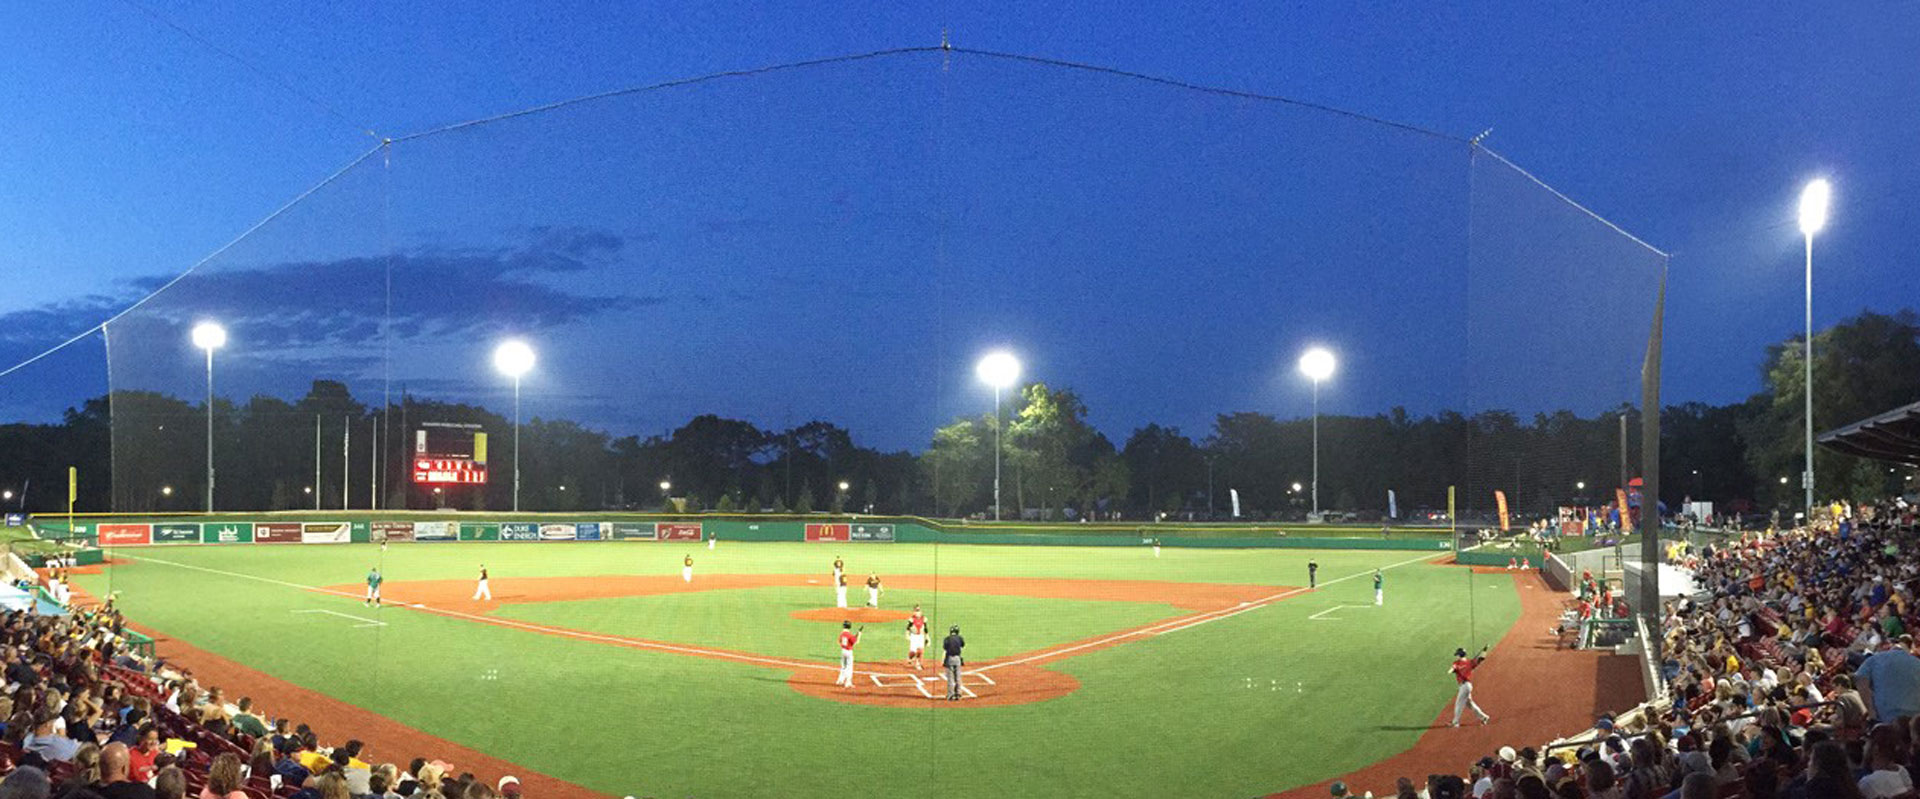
(1393, 506)
(1234, 493)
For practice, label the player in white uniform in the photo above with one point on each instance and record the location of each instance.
(840, 589)
(481, 591)
(873, 590)
(686, 569)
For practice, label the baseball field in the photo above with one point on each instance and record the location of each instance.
(599, 670)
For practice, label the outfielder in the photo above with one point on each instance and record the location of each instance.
(1462, 670)
(1313, 574)
(1379, 593)
(481, 591)
(373, 586)
(686, 569)
(848, 640)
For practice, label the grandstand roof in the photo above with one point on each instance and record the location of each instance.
(1891, 436)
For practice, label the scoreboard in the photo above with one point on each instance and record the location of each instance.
(448, 453)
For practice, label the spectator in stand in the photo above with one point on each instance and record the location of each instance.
(223, 778)
(410, 781)
(47, 743)
(1600, 782)
(114, 782)
(260, 770)
(170, 783)
(86, 772)
(377, 786)
(140, 758)
(1829, 776)
(332, 786)
(26, 782)
(1889, 680)
(1885, 777)
(1850, 708)
(245, 721)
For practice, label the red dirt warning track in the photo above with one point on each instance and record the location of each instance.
(1534, 691)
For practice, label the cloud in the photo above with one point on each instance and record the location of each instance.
(303, 310)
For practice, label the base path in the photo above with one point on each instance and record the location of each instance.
(1534, 690)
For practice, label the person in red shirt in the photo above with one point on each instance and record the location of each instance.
(1462, 670)
(848, 640)
(916, 638)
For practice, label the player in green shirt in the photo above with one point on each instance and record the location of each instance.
(1379, 594)
(373, 586)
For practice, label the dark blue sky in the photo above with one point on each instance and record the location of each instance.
(864, 231)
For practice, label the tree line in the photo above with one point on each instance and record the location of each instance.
(1054, 464)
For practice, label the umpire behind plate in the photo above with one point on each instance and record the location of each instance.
(953, 644)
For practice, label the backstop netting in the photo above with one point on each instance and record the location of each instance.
(767, 291)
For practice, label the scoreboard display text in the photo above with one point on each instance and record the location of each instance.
(449, 454)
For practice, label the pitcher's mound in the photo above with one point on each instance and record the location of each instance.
(860, 615)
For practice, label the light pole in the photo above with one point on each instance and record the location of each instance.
(666, 495)
(1317, 364)
(514, 358)
(209, 336)
(1000, 370)
(1813, 216)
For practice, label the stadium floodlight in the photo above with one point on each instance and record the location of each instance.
(1813, 216)
(7, 495)
(209, 336)
(514, 358)
(1317, 363)
(1296, 488)
(1580, 486)
(843, 485)
(999, 370)
(666, 485)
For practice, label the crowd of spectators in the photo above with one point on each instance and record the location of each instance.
(85, 716)
(1790, 674)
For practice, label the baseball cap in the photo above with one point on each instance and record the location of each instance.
(509, 785)
(1339, 788)
(1507, 754)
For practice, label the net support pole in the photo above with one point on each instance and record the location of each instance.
(1649, 598)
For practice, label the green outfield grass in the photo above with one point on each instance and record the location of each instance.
(1196, 712)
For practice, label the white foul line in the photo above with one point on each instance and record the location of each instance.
(369, 622)
(1322, 615)
(1186, 622)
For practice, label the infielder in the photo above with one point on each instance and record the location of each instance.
(848, 640)
(1156, 547)
(839, 568)
(1313, 573)
(1462, 670)
(873, 590)
(481, 591)
(1379, 593)
(916, 639)
(686, 569)
(839, 589)
(712, 537)
(373, 585)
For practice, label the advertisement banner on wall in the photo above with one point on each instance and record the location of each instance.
(176, 533)
(519, 531)
(276, 533)
(556, 532)
(677, 531)
(470, 531)
(125, 535)
(631, 531)
(392, 531)
(829, 532)
(326, 533)
(227, 533)
(870, 532)
(435, 531)
(586, 531)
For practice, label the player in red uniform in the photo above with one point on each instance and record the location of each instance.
(1462, 670)
(848, 640)
(916, 638)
